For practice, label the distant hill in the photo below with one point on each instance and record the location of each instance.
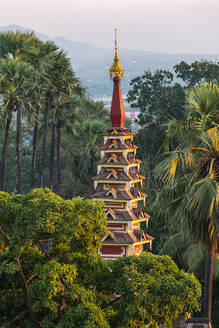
(91, 63)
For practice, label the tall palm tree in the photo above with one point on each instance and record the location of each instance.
(57, 62)
(39, 55)
(17, 83)
(16, 46)
(66, 87)
(190, 172)
(67, 121)
(7, 110)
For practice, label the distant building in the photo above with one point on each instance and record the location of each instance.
(118, 182)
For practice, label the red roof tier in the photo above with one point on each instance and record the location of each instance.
(118, 132)
(116, 175)
(115, 237)
(116, 215)
(118, 159)
(118, 194)
(116, 144)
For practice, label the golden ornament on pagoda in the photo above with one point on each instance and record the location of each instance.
(116, 69)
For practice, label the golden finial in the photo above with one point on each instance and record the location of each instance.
(116, 69)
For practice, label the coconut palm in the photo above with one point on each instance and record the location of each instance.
(190, 172)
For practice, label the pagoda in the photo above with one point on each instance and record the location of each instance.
(118, 182)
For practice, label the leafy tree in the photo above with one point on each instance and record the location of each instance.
(197, 72)
(144, 284)
(42, 283)
(156, 97)
(51, 275)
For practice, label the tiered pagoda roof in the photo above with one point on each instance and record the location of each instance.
(137, 236)
(116, 175)
(118, 159)
(118, 182)
(118, 132)
(116, 144)
(114, 193)
(131, 215)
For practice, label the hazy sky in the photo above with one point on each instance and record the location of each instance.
(172, 26)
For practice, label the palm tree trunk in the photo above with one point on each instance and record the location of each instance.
(4, 153)
(18, 159)
(59, 178)
(209, 266)
(52, 158)
(45, 134)
(33, 162)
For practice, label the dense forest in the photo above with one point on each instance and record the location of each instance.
(51, 133)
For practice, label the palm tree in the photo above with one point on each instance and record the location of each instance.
(8, 110)
(39, 55)
(67, 121)
(93, 110)
(57, 63)
(189, 197)
(17, 83)
(66, 86)
(16, 46)
(47, 55)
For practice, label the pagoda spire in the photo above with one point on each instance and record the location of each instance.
(118, 183)
(117, 113)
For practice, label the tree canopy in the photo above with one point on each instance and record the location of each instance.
(50, 273)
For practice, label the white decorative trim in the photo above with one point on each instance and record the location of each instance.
(111, 192)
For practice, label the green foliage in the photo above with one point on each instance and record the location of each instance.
(179, 134)
(37, 76)
(152, 290)
(51, 275)
(188, 197)
(156, 97)
(28, 223)
(83, 151)
(197, 72)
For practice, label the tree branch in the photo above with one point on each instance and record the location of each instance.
(31, 278)
(27, 297)
(62, 279)
(7, 324)
(112, 302)
(4, 234)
